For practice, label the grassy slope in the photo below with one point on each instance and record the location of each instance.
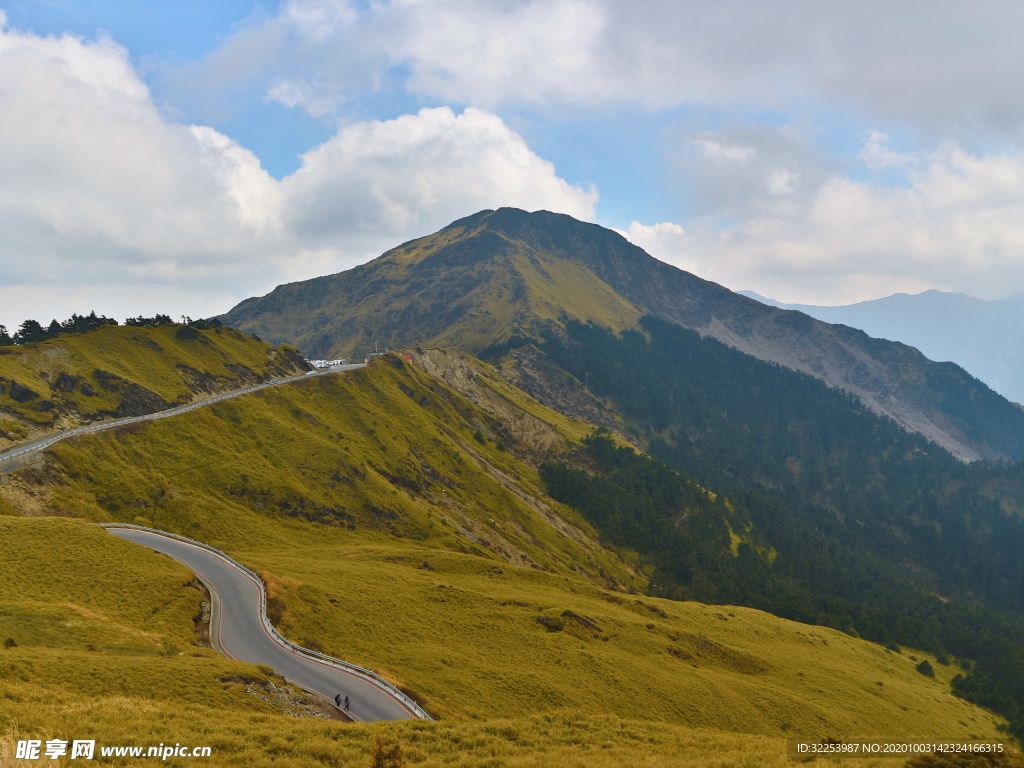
(222, 358)
(47, 602)
(448, 289)
(437, 632)
(369, 452)
(104, 640)
(384, 450)
(79, 686)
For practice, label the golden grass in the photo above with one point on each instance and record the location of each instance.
(519, 291)
(383, 449)
(466, 636)
(571, 739)
(561, 287)
(66, 584)
(411, 572)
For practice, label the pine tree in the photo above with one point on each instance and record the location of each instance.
(29, 332)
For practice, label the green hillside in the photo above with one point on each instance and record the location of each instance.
(384, 449)
(679, 665)
(405, 526)
(465, 286)
(126, 371)
(872, 530)
(386, 479)
(854, 523)
(822, 511)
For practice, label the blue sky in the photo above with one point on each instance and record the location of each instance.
(182, 156)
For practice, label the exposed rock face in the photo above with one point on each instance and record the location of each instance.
(535, 375)
(198, 381)
(503, 273)
(135, 400)
(17, 392)
(540, 378)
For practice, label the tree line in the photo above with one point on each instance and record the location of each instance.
(32, 331)
(866, 524)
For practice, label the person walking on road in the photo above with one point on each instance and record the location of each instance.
(346, 703)
(337, 700)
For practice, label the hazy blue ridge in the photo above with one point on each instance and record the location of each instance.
(981, 336)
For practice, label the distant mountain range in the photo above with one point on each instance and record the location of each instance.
(504, 274)
(981, 336)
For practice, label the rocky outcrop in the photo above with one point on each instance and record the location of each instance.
(483, 385)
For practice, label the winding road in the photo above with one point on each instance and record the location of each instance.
(22, 452)
(239, 629)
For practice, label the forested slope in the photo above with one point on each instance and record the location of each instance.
(837, 515)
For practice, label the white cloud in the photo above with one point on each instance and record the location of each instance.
(957, 224)
(103, 199)
(665, 240)
(298, 92)
(945, 65)
(92, 175)
(416, 173)
(876, 155)
(720, 151)
(318, 20)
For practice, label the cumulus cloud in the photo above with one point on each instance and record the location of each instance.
(957, 223)
(418, 172)
(104, 200)
(92, 176)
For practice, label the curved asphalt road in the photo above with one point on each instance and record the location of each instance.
(238, 632)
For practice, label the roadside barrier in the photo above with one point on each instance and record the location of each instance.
(364, 674)
(45, 442)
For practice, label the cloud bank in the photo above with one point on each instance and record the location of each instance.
(948, 66)
(799, 231)
(108, 204)
(770, 210)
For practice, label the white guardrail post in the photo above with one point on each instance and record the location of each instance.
(364, 674)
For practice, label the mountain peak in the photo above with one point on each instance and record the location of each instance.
(481, 279)
(502, 273)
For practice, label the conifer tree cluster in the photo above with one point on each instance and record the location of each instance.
(32, 331)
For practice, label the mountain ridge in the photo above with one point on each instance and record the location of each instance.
(977, 334)
(497, 274)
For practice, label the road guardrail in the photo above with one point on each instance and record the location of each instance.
(356, 671)
(43, 443)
